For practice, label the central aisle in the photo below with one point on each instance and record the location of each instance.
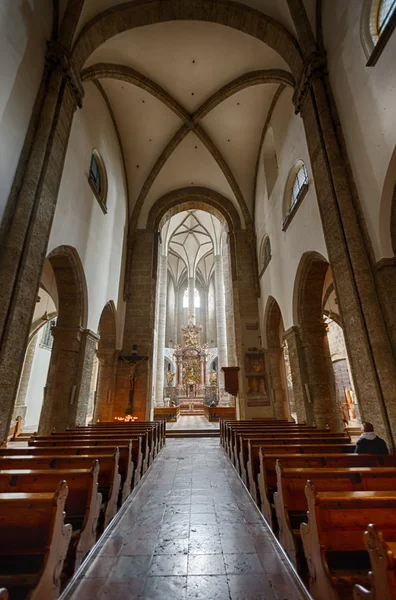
(191, 532)
(193, 422)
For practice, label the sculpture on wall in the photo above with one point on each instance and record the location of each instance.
(170, 375)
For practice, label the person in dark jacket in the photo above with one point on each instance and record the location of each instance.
(369, 442)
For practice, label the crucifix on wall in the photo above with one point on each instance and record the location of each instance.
(133, 361)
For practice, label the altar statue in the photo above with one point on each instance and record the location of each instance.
(170, 377)
(213, 377)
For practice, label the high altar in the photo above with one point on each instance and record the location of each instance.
(191, 370)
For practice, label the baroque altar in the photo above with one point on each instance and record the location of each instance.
(190, 358)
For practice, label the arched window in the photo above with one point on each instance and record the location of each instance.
(46, 335)
(265, 254)
(377, 22)
(384, 13)
(295, 190)
(300, 186)
(197, 299)
(98, 179)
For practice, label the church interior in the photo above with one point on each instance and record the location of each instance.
(197, 299)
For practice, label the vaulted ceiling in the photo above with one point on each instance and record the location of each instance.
(190, 100)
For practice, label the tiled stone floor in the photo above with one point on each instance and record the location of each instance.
(193, 422)
(191, 532)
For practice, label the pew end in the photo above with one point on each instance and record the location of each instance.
(383, 564)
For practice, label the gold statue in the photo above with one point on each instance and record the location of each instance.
(170, 377)
(213, 377)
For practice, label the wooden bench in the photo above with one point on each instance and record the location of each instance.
(33, 543)
(99, 440)
(216, 413)
(109, 480)
(82, 504)
(383, 567)
(333, 538)
(291, 503)
(156, 431)
(267, 478)
(241, 453)
(130, 458)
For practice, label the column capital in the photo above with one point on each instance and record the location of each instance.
(60, 59)
(314, 67)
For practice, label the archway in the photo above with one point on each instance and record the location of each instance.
(107, 364)
(281, 384)
(69, 374)
(318, 370)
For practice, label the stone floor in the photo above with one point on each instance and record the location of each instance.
(193, 422)
(191, 532)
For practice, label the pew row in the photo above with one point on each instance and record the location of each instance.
(383, 568)
(333, 539)
(291, 503)
(33, 543)
(82, 504)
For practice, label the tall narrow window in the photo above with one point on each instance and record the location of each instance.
(98, 179)
(46, 336)
(385, 11)
(300, 185)
(265, 254)
(197, 299)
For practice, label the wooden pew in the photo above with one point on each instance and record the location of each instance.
(383, 567)
(156, 429)
(241, 454)
(275, 451)
(267, 478)
(333, 538)
(98, 440)
(33, 543)
(291, 503)
(130, 455)
(109, 479)
(230, 431)
(82, 504)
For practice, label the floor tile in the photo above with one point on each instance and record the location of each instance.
(205, 587)
(206, 564)
(168, 564)
(165, 588)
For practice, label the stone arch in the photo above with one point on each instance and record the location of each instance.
(189, 198)
(308, 288)
(273, 334)
(387, 213)
(73, 351)
(315, 357)
(71, 285)
(130, 15)
(107, 357)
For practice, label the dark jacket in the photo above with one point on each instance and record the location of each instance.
(375, 446)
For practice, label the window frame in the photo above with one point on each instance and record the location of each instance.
(289, 208)
(374, 43)
(99, 193)
(265, 260)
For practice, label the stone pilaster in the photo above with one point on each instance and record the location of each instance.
(220, 319)
(67, 389)
(20, 407)
(105, 387)
(139, 325)
(299, 377)
(30, 214)
(229, 309)
(273, 358)
(162, 283)
(320, 376)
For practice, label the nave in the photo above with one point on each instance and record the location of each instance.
(190, 532)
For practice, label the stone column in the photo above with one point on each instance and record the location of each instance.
(220, 319)
(191, 295)
(139, 324)
(66, 394)
(162, 281)
(229, 307)
(28, 219)
(273, 357)
(20, 407)
(320, 376)
(105, 386)
(299, 378)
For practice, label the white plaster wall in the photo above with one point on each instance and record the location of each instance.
(304, 233)
(25, 25)
(79, 221)
(37, 381)
(366, 99)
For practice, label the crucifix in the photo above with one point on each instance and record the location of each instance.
(133, 361)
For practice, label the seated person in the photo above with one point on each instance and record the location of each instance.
(369, 442)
